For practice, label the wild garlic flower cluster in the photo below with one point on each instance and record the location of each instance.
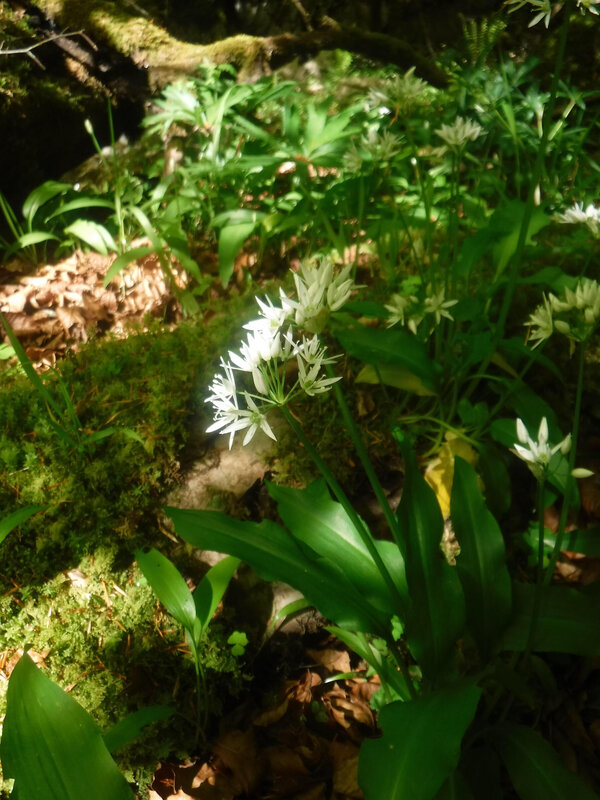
(409, 311)
(281, 361)
(401, 94)
(543, 8)
(537, 453)
(575, 215)
(459, 133)
(576, 314)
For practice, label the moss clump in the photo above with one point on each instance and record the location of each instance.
(101, 635)
(110, 490)
(70, 589)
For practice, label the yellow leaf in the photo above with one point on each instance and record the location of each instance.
(440, 471)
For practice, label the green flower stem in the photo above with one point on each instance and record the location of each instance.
(364, 534)
(342, 498)
(361, 451)
(539, 583)
(517, 259)
(201, 698)
(560, 535)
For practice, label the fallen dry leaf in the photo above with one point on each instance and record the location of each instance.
(333, 660)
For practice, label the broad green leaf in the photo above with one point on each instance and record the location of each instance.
(81, 202)
(586, 541)
(124, 259)
(169, 586)
(212, 587)
(36, 237)
(323, 524)
(17, 518)
(51, 746)
(231, 239)
(481, 565)
(395, 346)
(40, 196)
(569, 621)
(509, 220)
(275, 555)
(494, 472)
(129, 728)
(93, 234)
(394, 375)
(420, 746)
(436, 616)
(534, 766)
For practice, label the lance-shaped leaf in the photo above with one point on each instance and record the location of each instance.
(211, 589)
(420, 746)
(323, 524)
(276, 555)
(16, 518)
(396, 346)
(169, 585)
(481, 564)
(132, 726)
(51, 746)
(436, 616)
(534, 766)
(568, 622)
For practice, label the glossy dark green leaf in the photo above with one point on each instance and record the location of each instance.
(395, 346)
(129, 728)
(534, 766)
(323, 524)
(17, 518)
(569, 621)
(585, 541)
(169, 586)
(275, 555)
(212, 587)
(481, 565)
(51, 746)
(494, 473)
(420, 746)
(393, 375)
(436, 616)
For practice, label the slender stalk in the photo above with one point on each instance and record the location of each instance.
(342, 498)
(201, 698)
(539, 583)
(361, 451)
(517, 259)
(560, 535)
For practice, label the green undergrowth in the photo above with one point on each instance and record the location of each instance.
(69, 588)
(103, 638)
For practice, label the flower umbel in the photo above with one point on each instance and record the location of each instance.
(538, 453)
(542, 9)
(589, 216)
(459, 133)
(575, 314)
(269, 347)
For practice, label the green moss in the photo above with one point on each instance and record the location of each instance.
(70, 590)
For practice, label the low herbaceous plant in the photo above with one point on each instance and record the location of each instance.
(439, 618)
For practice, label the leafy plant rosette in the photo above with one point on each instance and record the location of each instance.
(450, 634)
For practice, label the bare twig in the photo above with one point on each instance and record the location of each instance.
(27, 50)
